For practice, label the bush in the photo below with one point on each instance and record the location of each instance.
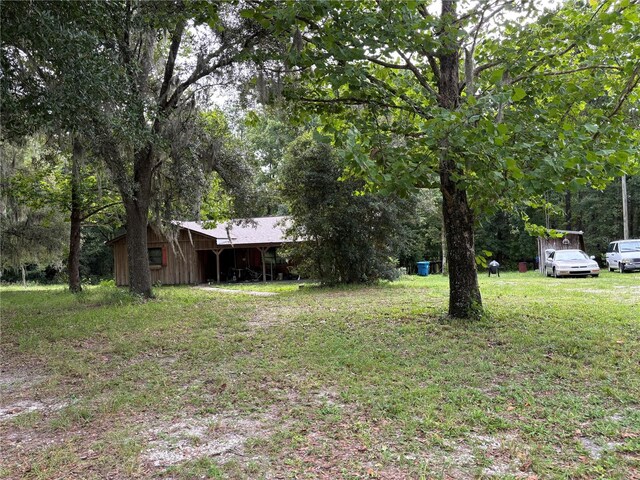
(349, 236)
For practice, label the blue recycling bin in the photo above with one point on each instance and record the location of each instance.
(423, 268)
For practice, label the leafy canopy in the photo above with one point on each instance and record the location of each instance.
(542, 103)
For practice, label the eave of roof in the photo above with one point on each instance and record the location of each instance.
(569, 232)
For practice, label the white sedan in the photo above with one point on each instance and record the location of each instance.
(569, 263)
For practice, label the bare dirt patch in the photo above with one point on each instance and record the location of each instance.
(19, 394)
(267, 316)
(502, 454)
(22, 436)
(229, 290)
(505, 453)
(12, 410)
(15, 380)
(222, 436)
(595, 449)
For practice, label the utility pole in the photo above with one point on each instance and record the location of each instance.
(625, 209)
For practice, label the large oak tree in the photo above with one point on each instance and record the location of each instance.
(492, 102)
(55, 79)
(157, 63)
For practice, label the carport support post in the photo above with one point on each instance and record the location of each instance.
(217, 251)
(263, 251)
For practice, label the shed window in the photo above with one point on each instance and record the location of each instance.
(155, 257)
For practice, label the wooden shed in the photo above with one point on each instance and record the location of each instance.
(567, 239)
(232, 251)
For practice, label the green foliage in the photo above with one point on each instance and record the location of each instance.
(32, 236)
(599, 213)
(349, 237)
(544, 110)
(129, 79)
(506, 238)
(203, 170)
(229, 187)
(30, 233)
(267, 134)
(57, 72)
(37, 175)
(96, 258)
(46, 180)
(497, 103)
(421, 230)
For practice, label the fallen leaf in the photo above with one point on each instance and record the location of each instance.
(526, 466)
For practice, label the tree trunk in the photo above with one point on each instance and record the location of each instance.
(137, 211)
(24, 275)
(464, 292)
(443, 240)
(73, 264)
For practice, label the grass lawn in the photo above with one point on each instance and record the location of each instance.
(361, 382)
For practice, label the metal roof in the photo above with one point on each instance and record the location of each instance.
(573, 232)
(238, 233)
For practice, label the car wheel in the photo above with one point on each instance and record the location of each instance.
(596, 275)
(555, 275)
(620, 268)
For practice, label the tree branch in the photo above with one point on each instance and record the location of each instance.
(382, 63)
(566, 72)
(629, 87)
(355, 101)
(481, 68)
(631, 84)
(413, 107)
(203, 69)
(176, 39)
(434, 66)
(93, 212)
(416, 72)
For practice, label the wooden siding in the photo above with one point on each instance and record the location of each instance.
(183, 265)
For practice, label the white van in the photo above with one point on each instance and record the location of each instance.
(623, 255)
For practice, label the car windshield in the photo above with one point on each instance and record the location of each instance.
(575, 255)
(630, 246)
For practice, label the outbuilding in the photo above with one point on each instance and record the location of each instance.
(233, 251)
(561, 240)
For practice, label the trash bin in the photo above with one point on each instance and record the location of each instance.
(423, 269)
(522, 267)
